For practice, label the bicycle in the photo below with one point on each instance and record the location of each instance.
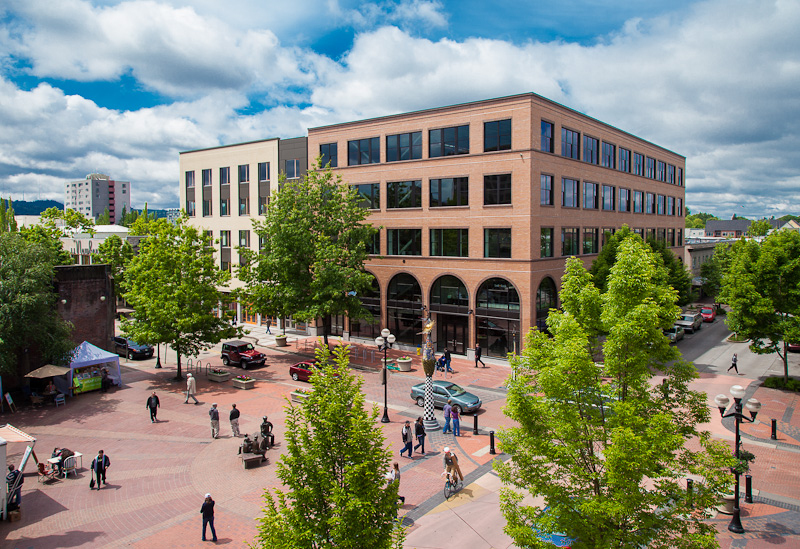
(452, 484)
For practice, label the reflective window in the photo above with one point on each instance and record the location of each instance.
(546, 238)
(451, 191)
(263, 172)
(624, 200)
(404, 194)
(609, 156)
(450, 242)
(638, 201)
(329, 154)
(591, 152)
(404, 146)
(546, 299)
(546, 197)
(497, 189)
(624, 160)
(608, 198)
(570, 143)
(364, 151)
(244, 173)
(591, 238)
(547, 137)
(206, 175)
(569, 193)
(448, 141)
(570, 241)
(638, 164)
(497, 135)
(498, 293)
(590, 198)
(225, 175)
(449, 290)
(497, 243)
(404, 241)
(369, 195)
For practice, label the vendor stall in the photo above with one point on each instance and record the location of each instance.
(86, 367)
(10, 434)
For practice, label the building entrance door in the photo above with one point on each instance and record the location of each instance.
(451, 332)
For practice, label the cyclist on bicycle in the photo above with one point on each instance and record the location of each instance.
(450, 462)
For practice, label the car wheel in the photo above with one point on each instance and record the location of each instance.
(226, 360)
(421, 401)
(457, 408)
(130, 355)
(243, 364)
(295, 377)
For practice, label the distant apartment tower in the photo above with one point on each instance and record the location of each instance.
(97, 192)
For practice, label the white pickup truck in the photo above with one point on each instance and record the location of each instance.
(690, 322)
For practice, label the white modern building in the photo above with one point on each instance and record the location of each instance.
(91, 196)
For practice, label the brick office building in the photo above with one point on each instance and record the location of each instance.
(480, 204)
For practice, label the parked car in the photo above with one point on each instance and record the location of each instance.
(675, 334)
(302, 371)
(127, 347)
(794, 347)
(242, 353)
(444, 390)
(690, 322)
(708, 314)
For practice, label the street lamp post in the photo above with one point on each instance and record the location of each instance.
(158, 358)
(385, 342)
(753, 405)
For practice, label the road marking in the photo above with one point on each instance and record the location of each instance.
(482, 452)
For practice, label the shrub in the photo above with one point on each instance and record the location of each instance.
(776, 382)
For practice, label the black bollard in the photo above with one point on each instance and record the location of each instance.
(491, 443)
(774, 435)
(748, 490)
(475, 427)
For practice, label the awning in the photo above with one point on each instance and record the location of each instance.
(48, 370)
(12, 434)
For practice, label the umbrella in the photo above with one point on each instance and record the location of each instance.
(48, 370)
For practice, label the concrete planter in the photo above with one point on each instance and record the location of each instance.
(242, 384)
(280, 341)
(298, 397)
(404, 364)
(219, 378)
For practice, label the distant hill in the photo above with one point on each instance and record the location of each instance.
(34, 207)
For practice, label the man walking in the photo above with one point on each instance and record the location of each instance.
(734, 361)
(234, 420)
(478, 353)
(207, 510)
(153, 403)
(447, 360)
(408, 439)
(213, 413)
(14, 489)
(99, 465)
(447, 409)
(191, 389)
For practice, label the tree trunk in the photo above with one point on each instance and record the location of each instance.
(178, 376)
(326, 321)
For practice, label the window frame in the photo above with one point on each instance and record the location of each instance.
(546, 243)
(438, 137)
(391, 194)
(393, 240)
(591, 149)
(595, 204)
(574, 231)
(374, 199)
(369, 146)
(608, 160)
(576, 194)
(493, 238)
(437, 238)
(500, 190)
(604, 204)
(546, 138)
(543, 189)
(460, 186)
(414, 150)
(570, 143)
(325, 153)
(624, 164)
(503, 129)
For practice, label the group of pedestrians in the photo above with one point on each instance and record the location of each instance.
(409, 433)
(452, 413)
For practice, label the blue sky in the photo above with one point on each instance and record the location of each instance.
(122, 87)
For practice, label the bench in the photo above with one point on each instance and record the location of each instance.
(250, 458)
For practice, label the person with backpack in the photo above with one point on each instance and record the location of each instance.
(450, 462)
(408, 439)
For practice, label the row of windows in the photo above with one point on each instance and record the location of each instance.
(225, 175)
(572, 244)
(607, 197)
(408, 146)
(225, 207)
(225, 238)
(606, 155)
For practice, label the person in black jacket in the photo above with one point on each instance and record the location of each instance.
(419, 432)
(207, 510)
(234, 417)
(14, 492)
(478, 354)
(99, 465)
(153, 403)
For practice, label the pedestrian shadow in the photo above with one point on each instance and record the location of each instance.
(74, 538)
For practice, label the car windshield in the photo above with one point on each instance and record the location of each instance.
(707, 311)
(455, 390)
(248, 347)
(690, 318)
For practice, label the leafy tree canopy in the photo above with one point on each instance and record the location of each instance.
(759, 228)
(679, 277)
(762, 287)
(104, 218)
(698, 220)
(117, 254)
(72, 220)
(315, 239)
(28, 318)
(48, 237)
(606, 447)
(333, 471)
(713, 270)
(8, 222)
(174, 288)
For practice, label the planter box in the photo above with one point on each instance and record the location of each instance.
(219, 378)
(280, 341)
(404, 364)
(242, 384)
(298, 397)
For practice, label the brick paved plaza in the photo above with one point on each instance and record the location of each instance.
(160, 472)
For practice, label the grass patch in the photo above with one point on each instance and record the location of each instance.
(777, 382)
(736, 338)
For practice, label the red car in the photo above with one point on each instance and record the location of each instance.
(709, 314)
(242, 353)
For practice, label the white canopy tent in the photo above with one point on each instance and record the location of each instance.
(10, 434)
(87, 354)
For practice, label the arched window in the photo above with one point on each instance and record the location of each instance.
(369, 327)
(404, 309)
(499, 294)
(497, 314)
(546, 299)
(447, 292)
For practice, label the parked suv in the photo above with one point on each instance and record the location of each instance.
(691, 322)
(241, 353)
(131, 349)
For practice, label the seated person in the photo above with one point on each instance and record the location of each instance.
(266, 431)
(440, 364)
(247, 445)
(51, 388)
(62, 454)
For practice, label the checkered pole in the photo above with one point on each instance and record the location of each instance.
(429, 364)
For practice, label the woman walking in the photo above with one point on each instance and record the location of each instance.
(455, 413)
(419, 431)
(734, 364)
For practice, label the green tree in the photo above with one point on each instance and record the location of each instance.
(315, 244)
(698, 220)
(48, 237)
(333, 471)
(104, 218)
(174, 285)
(679, 277)
(8, 222)
(72, 220)
(713, 270)
(762, 288)
(610, 458)
(28, 319)
(117, 254)
(759, 228)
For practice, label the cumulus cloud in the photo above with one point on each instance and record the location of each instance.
(715, 81)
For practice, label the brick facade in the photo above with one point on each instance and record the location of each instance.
(80, 291)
